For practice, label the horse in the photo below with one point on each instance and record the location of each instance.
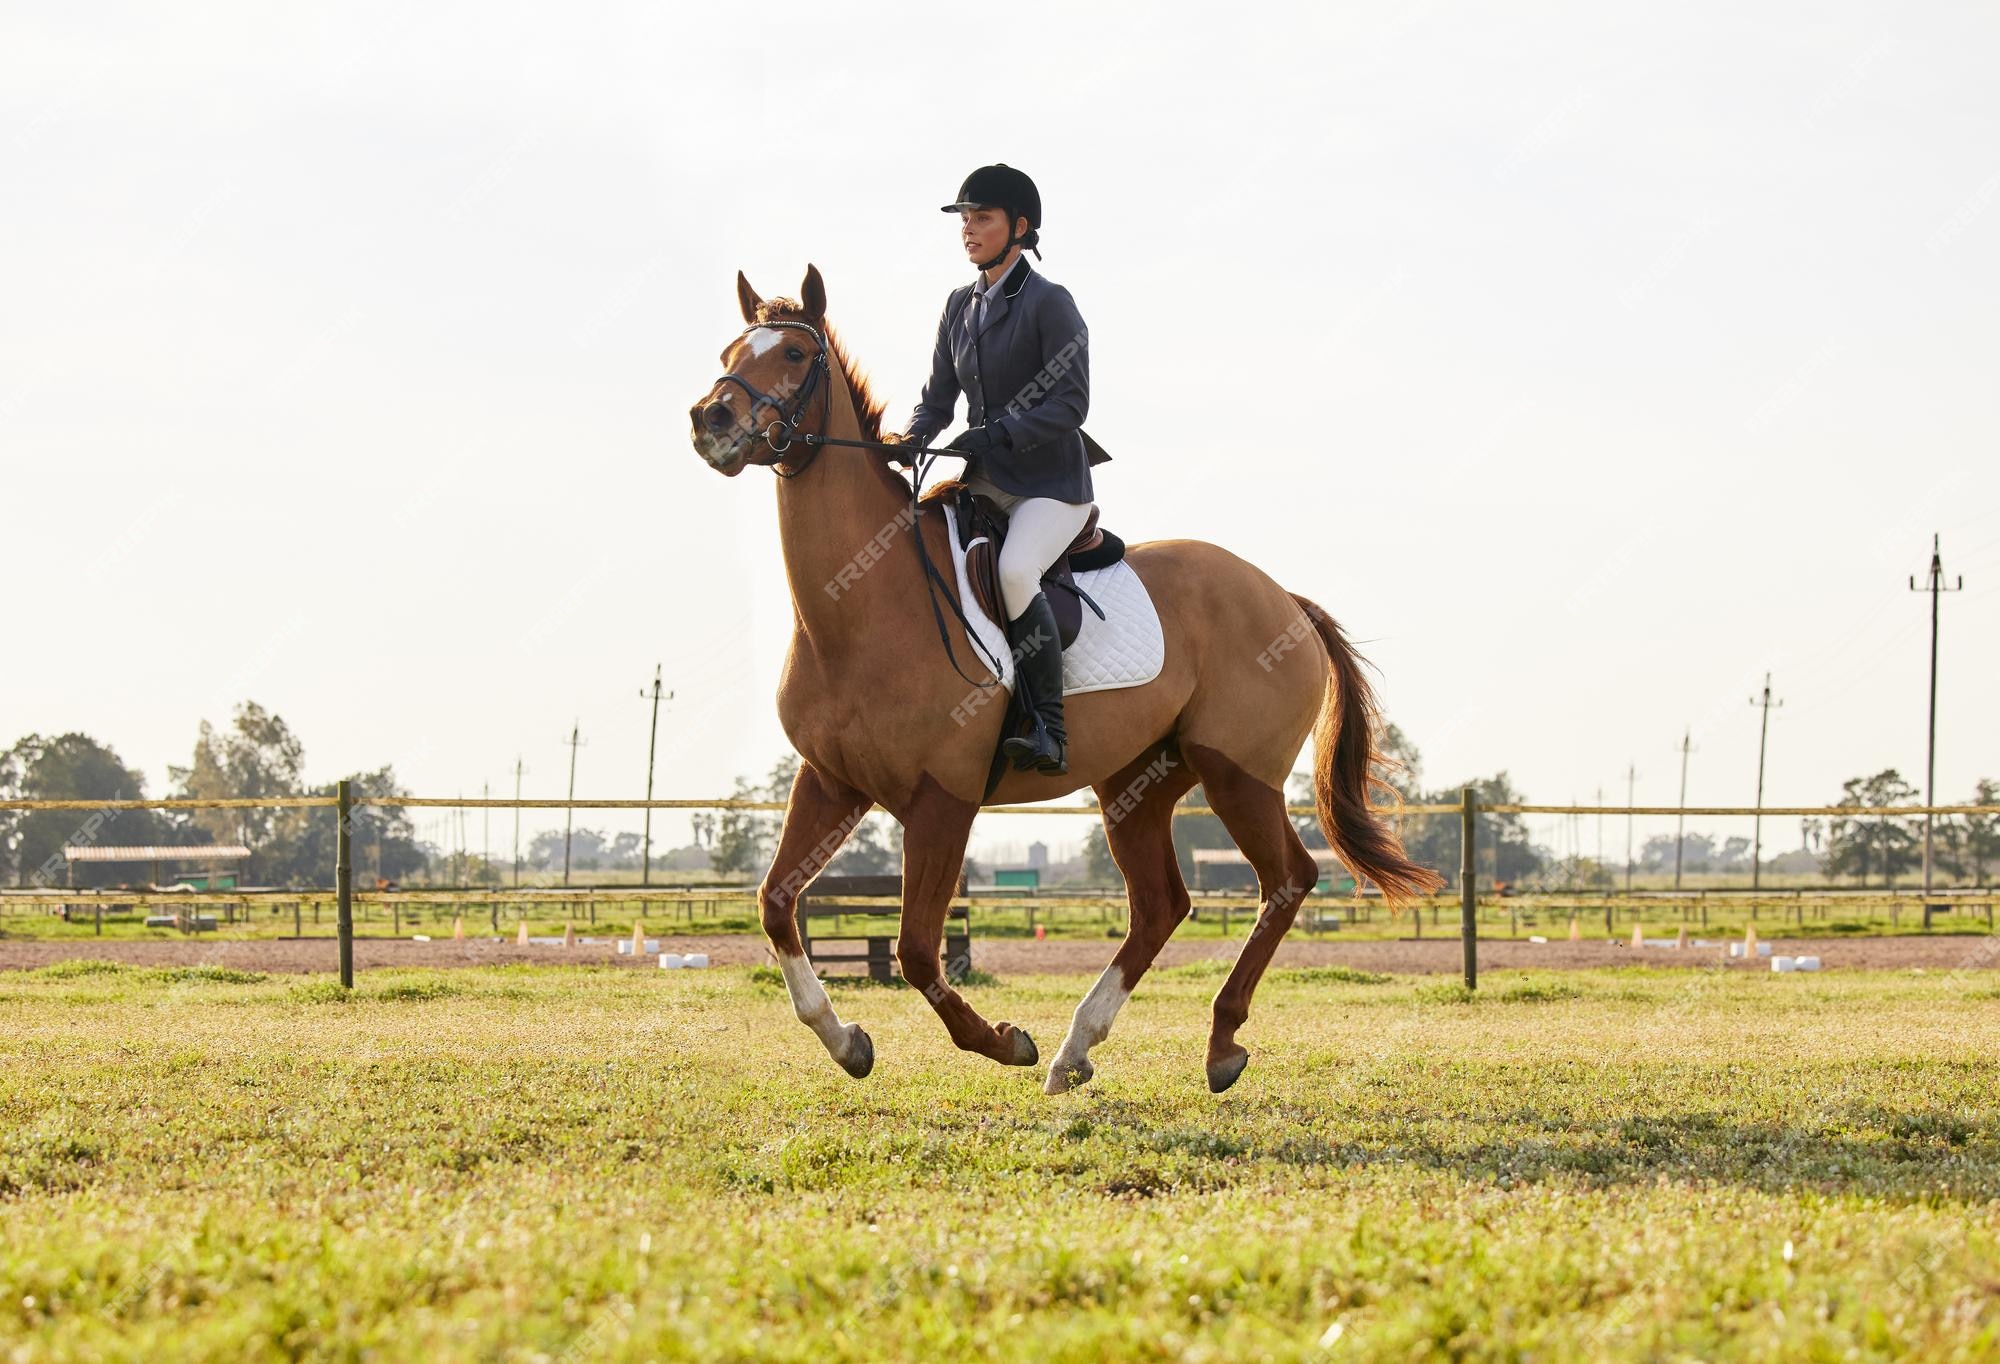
(878, 720)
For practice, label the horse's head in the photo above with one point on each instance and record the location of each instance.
(774, 377)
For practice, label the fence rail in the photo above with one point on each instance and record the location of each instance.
(345, 800)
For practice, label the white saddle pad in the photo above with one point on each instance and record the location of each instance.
(1124, 649)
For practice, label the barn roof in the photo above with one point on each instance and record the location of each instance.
(162, 852)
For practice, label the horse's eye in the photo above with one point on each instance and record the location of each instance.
(794, 354)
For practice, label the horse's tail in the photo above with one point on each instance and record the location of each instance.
(1344, 760)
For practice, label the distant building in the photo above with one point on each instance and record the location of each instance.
(1038, 855)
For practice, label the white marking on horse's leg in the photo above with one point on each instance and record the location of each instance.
(1090, 1025)
(763, 339)
(814, 1009)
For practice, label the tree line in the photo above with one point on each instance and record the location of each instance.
(257, 755)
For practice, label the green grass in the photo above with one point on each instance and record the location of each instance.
(583, 1164)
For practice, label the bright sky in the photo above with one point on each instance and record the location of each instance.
(1586, 361)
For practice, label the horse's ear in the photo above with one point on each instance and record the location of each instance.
(747, 298)
(812, 294)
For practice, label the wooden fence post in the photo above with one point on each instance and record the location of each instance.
(343, 880)
(1468, 897)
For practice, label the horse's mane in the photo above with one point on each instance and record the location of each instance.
(867, 407)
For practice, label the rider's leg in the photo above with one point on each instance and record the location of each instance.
(1038, 530)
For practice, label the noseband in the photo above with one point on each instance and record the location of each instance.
(788, 423)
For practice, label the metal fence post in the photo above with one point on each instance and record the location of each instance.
(1468, 897)
(343, 880)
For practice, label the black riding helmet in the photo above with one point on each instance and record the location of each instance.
(1001, 186)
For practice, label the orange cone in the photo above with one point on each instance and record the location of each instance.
(1638, 935)
(1041, 932)
(638, 937)
(1681, 938)
(1575, 929)
(569, 935)
(521, 937)
(458, 928)
(1750, 941)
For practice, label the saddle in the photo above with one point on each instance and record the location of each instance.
(982, 529)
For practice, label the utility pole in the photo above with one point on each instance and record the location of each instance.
(1757, 829)
(518, 770)
(1935, 585)
(652, 747)
(569, 812)
(1680, 820)
(485, 832)
(1600, 835)
(1631, 783)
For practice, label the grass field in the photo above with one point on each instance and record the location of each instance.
(575, 1164)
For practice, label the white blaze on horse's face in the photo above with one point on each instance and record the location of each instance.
(762, 340)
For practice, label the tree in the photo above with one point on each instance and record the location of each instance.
(741, 838)
(1505, 853)
(382, 841)
(1864, 845)
(1097, 859)
(1982, 832)
(258, 756)
(71, 767)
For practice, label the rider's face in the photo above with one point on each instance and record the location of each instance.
(983, 231)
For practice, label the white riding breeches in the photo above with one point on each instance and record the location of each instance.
(1039, 529)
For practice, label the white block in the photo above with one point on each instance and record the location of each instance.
(1537, 939)
(624, 947)
(1736, 949)
(420, 937)
(652, 944)
(1783, 964)
(1807, 963)
(1763, 949)
(695, 960)
(671, 961)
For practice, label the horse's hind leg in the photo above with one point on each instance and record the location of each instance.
(820, 815)
(1138, 805)
(1254, 814)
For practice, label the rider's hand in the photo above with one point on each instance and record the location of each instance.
(898, 438)
(979, 440)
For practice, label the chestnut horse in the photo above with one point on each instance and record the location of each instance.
(879, 718)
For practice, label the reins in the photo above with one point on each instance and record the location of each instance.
(788, 434)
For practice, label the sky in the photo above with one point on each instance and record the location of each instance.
(1586, 361)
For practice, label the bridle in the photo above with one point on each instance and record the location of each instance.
(787, 433)
(787, 425)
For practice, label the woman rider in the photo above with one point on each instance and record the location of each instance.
(1014, 344)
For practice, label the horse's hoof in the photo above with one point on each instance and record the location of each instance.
(1025, 1053)
(1222, 1074)
(1067, 1075)
(860, 1053)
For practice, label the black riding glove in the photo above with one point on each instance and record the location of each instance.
(979, 440)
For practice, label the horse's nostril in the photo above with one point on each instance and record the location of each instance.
(718, 416)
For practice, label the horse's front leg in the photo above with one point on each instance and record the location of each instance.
(934, 837)
(821, 814)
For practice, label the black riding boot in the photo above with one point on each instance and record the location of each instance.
(1037, 650)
